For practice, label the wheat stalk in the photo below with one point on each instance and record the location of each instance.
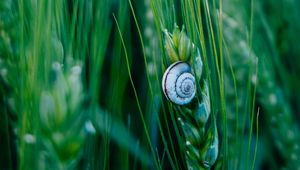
(200, 141)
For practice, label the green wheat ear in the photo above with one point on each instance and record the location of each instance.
(61, 117)
(200, 137)
(178, 46)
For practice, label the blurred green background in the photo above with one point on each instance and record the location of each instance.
(80, 82)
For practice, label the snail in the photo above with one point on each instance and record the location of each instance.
(179, 84)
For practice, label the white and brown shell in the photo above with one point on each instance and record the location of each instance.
(178, 83)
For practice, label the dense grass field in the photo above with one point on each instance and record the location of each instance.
(149, 84)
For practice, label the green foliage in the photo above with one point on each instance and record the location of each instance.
(80, 84)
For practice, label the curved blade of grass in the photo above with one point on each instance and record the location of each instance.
(136, 96)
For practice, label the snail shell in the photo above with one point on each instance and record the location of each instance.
(178, 83)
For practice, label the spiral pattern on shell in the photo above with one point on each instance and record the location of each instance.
(178, 83)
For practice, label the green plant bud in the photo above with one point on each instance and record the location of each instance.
(47, 111)
(191, 133)
(197, 62)
(176, 37)
(205, 97)
(203, 109)
(209, 152)
(185, 47)
(63, 100)
(59, 92)
(75, 89)
(201, 115)
(211, 157)
(53, 105)
(170, 48)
